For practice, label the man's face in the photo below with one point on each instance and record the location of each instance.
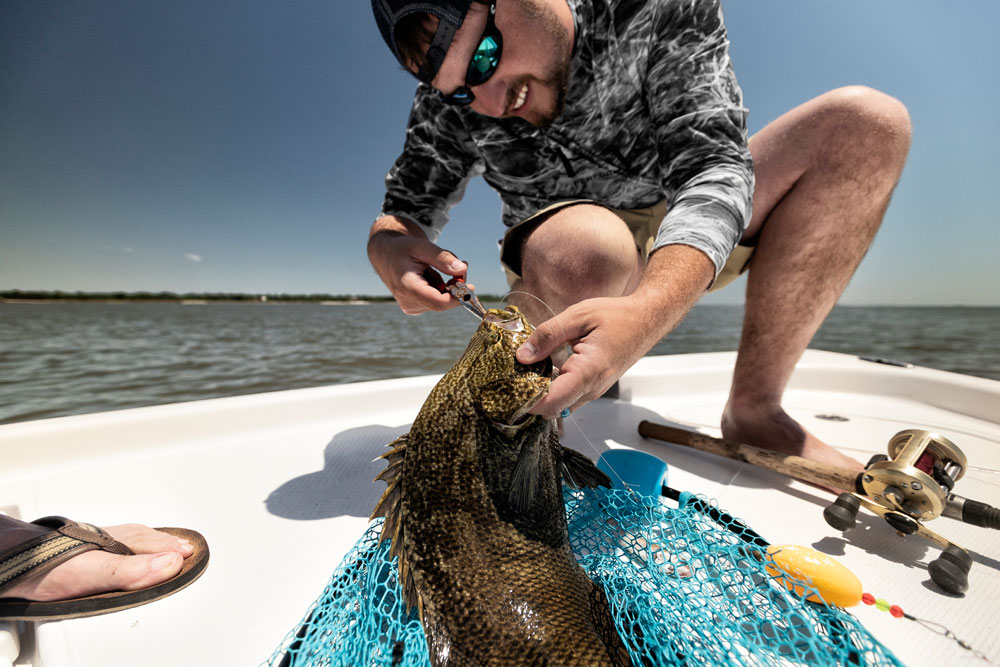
(531, 79)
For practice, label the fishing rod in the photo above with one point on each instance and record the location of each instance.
(910, 485)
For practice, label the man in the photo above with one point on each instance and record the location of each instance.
(626, 115)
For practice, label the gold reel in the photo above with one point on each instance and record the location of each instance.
(909, 486)
(920, 472)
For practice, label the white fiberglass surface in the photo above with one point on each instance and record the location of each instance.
(280, 499)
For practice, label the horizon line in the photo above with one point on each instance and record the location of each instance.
(13, 295)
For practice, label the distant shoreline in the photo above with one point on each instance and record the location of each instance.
(187, 298)
(193, 298)
(198, 302)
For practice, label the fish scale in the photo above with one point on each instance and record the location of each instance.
(475, 514)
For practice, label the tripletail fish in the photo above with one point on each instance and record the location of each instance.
(475, 514)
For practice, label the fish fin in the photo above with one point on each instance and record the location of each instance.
(410, 596)
(524, 481)
(392, 515)
(578, 471)
(388, 504)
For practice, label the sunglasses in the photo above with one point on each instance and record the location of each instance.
(483, 64)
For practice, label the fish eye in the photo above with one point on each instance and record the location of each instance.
(492, 337)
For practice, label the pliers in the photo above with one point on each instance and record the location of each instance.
(459, 290)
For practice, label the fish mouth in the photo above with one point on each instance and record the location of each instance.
(522, 416)
(541, 368)
(511, 323)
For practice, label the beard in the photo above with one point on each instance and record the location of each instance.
(557, 87)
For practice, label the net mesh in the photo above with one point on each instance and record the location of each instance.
(683, 589)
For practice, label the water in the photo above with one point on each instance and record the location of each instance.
(70, 358)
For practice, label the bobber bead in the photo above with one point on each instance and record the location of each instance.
(896, 611)
(868, 598)
(882, 604)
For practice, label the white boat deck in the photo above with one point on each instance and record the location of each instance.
(280, 485)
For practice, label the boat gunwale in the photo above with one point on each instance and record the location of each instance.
(31, 444)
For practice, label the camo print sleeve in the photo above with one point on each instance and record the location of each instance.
(702, 134)
(437, 163)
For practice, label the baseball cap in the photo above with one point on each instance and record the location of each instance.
(450, 13)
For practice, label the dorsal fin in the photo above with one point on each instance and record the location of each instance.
(388, 506)
(578, 471)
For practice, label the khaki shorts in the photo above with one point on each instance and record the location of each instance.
(643, 222)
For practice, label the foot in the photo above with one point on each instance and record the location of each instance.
(159, 557)
(771, 428)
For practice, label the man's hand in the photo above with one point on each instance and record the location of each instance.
(608, 335)
(400, 252)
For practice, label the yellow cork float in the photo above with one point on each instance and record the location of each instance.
(801, 568)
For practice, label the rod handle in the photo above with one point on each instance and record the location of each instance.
(806, 470)
(972, 512)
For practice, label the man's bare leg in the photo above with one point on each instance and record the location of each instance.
(825, 173)
(159, 557)
(579, 252)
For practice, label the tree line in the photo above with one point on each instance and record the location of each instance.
(60, 295)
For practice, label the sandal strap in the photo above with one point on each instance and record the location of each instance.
(40, 554)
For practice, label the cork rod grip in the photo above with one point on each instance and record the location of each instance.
(806, 470)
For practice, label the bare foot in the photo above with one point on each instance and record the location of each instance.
(770, 427)
(159, 557)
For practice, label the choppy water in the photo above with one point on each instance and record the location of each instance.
(69, 358)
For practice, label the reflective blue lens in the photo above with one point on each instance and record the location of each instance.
(483, 64)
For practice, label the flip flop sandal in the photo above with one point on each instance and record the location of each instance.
(68, 539)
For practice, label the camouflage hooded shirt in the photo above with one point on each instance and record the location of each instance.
(653, 112)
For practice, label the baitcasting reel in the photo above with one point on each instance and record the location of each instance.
(914, 484)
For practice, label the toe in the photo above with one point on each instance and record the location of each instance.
(148, 570)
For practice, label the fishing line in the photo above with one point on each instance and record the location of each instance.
(507, 296)
(986, 471)
(561, 328)
(728, 484)
(624, 484)
(569, 417)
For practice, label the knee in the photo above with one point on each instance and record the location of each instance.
(868, 121)
(578, 253)
(873, 109)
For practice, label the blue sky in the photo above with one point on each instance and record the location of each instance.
(224, 146)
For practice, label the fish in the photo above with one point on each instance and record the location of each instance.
(475, 516)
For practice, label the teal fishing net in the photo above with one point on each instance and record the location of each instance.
(685, 584)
